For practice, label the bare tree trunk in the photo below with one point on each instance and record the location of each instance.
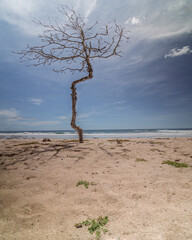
(74, 100)
(74, 113)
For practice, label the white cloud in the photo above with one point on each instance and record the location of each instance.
(87, 116)
(162, 19)
(133, 21)
(84, 116)
(10, 115)
(39, 123)
(11, 119)
(85, 7)
(21, 12)
(90, 7)
(62, 117)
(159, 20)
(175, 52)
(36, 101)
(18, 7)
(120, 102)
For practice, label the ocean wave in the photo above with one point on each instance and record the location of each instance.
(137, 133)
(175, 131)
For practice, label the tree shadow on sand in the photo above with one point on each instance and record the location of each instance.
(25, 152)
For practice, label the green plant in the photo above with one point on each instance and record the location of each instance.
(176, 164)
(153, 142)
(140, 160)
(122, 140)
(85, 183)
(95, 225)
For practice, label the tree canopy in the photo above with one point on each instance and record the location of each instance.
(74, 45)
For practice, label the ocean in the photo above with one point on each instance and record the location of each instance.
(107, 133)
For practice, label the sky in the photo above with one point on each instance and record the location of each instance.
(150, 86)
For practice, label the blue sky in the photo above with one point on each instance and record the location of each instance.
(149, 87)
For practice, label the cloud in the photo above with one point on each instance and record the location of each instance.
(62, 117)
(39, 123)
(36, 101)
(84, 116)
(9, 114)
(119, 102)
(18, 7)
(87, 116)
(145, 19)
(8, 117)
(178, 52)
(162, 19)
(20, 13)
(12, 115)
(90, 8)
(12, 118)
(85, 7)
(133, 21)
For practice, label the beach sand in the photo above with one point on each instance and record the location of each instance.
(143, 198)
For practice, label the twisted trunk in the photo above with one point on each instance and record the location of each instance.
(74, 100)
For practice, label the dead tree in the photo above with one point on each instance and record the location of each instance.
(74, 45)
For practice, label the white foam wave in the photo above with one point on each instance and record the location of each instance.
(115, 134)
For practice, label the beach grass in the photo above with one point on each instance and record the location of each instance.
(95, 225)
(176, 164)
(119, 140)
(140, 160)
(154, 142)
(85, 183)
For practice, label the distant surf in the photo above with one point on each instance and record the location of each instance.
(107, 133)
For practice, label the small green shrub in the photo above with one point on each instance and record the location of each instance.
(85, 183)
(95, 225)
(176, 164)
(119, 140)
(140, 160)
(153, 142)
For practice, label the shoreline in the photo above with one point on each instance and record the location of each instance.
(103, 134)
(142, 197)
(88, 138)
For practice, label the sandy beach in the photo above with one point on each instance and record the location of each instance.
(143, 198)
